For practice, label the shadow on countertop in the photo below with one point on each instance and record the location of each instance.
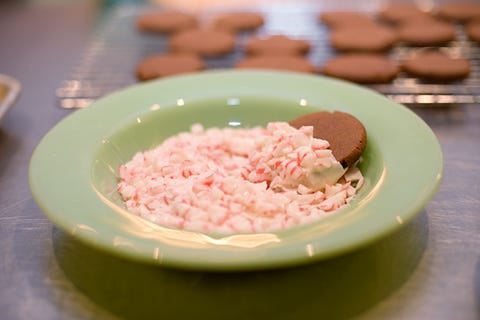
(337, 288)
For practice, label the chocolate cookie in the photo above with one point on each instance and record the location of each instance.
(362, 68)
(398, 13)
(166, 22)
(205, 42)
(238, 21)
(338, 19)
(459, 11)
(436, 66)
(426, 33)
(473, 31)
(168, 64)
(366, 38)
(288, 63)
(346, 134)
(276, 45)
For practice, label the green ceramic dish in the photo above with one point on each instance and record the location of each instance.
(73, 170)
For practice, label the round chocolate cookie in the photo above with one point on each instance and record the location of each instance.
(238, 21)
(168, 64)
(346, 134)
(287, 63)
(166, 22)
(436, 66)
(276, 45)
(338, 19)
(362, 68)
(459, 11)
(398, 13)
(426, 33)
(473, 30)
(205, 42)
(365, 38)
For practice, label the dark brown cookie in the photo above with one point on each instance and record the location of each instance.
(366, 38)
(426, 33)
(362, 68)
(238, 21)
(346, 134)
(473, 30)
(276, 45)
(436, 66)
(339, 19)
(398, 13)
(205, 42)
(459, 11)
(166, 22)
(168, 64)
(287, 63)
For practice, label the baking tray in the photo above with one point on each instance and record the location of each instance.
(109, 60)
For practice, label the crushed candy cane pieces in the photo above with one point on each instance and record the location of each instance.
(237, 180)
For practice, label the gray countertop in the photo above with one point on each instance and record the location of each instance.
(430, 269)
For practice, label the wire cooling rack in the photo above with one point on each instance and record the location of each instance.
(110, 58)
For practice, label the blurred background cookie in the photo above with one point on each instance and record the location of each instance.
(166, 22)
(398, 13)
(168, 64)
(238, 21)
(363, 38)
(361, 68)
(203, 41)
(426, 33)
(436, 66)
(459, 11)
(338, 19)
(288, 63)
(276, 45)
(473, 30)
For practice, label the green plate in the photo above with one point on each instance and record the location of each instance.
(73, 171)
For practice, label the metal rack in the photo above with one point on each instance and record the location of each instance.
(109, 61)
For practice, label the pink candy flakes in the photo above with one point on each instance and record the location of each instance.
(237, 180)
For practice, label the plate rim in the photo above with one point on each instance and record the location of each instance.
(271, 257)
